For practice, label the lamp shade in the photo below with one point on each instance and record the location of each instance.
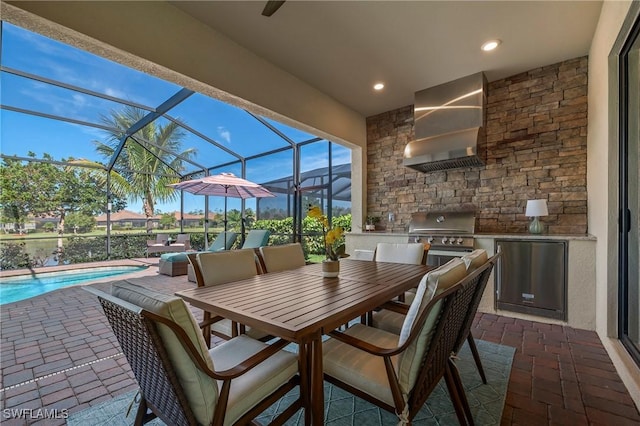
(536, 208)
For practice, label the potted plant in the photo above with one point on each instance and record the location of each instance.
(372, 221)
(333, 243)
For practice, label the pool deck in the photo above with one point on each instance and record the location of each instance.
(151, 261)
(58, 352)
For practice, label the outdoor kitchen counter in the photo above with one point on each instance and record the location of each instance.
(581, 285)
(581, 278)
(527, 236)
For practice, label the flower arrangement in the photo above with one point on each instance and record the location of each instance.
(333, 244)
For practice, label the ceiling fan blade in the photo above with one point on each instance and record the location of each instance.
(271, 7)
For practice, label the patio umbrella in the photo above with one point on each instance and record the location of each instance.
(224, 185)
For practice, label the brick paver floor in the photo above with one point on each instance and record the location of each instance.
(58, 352)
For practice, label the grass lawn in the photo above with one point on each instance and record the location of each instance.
(102, 232)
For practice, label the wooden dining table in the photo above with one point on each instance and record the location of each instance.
(300, 305)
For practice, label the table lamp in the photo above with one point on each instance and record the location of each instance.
(535, 209)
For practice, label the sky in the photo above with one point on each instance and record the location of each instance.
(229, 126)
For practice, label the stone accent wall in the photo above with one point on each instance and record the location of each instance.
(536, 148)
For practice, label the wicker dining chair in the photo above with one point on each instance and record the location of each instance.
(220, 268)
(391, 321)
(182, 381)
(412, 253)
(398, 373)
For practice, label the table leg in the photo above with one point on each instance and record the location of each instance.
(317, 381)
(304, 365)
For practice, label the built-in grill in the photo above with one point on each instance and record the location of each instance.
(449, 233)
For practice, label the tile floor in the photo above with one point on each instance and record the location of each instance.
(57, 352)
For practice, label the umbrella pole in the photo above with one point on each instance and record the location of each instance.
(225, 214)
(206, 222)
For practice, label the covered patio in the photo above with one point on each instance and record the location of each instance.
(561, 145)
(59, 353)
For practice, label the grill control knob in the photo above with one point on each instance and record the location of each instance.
(459, 240)
(444, 240)
(430, 240)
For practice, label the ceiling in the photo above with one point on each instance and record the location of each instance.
(343, 47)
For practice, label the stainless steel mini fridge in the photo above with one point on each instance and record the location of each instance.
(531, 277)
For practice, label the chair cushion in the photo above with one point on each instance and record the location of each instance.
(282, 257)
(200, 390)
(411, 253)
(358, 368)
(388, 320)
(262, 380)
(223, 241)
(475, 259)
(434, 282)
(227, 266)
(224, 327)
(174, 257)
(256, 238)
(360, 254)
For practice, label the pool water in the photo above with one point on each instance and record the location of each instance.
(13, 289)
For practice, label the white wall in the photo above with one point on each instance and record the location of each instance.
(602, 187)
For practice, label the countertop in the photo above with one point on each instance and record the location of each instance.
(526, 236)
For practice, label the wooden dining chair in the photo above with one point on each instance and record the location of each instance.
(181, 381)
(398, 372)
(282, 257)
(220, 268)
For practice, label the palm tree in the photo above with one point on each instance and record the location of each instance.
(145, 169)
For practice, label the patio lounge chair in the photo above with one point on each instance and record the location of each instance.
(224, 241)
(256, 238)
(398, 373)
(181, 380)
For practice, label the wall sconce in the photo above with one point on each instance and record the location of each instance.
(535, 209)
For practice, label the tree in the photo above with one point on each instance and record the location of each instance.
(145, 169)
(81, 222)
(46, 189)
(167, 220)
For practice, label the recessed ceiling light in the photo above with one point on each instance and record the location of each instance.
(490, 45)
(378, 86)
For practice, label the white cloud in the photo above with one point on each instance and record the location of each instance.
(224, 134)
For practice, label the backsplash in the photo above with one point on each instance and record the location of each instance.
(537, 148)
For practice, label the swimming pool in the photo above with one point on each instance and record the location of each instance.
(13, 289)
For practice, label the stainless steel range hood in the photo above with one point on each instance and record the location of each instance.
(449, 122)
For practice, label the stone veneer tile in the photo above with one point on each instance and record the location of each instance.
(536, 148)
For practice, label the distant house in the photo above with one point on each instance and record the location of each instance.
(126, 219)
(189, 220)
